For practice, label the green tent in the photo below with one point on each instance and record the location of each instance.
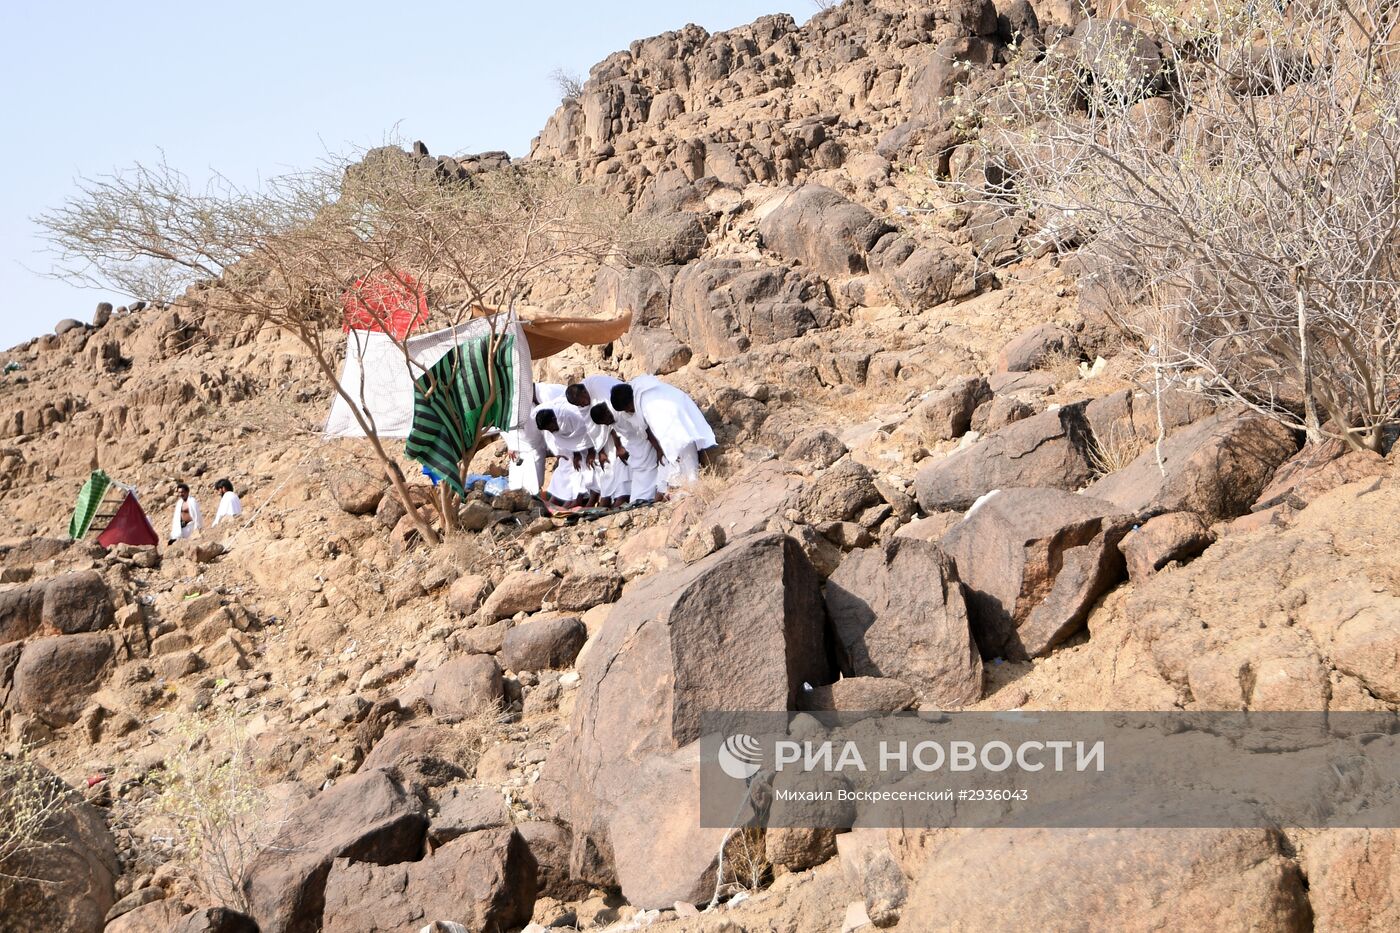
(89, 498)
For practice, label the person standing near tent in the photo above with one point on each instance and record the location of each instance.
(638, 448)
(673, 419)
(229, 503)
(184, 519)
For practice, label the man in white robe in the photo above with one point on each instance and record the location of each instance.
(184, 521)
(567, 437)
(673, 419)
(527, 445)
(638, 447)
(229, 503)
(605, 476)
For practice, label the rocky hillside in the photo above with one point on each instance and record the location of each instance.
(305, 721)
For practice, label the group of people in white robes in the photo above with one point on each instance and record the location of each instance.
(612, 442)
(185, 520)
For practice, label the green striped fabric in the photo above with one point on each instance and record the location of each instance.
(449, 402)
(89, 498)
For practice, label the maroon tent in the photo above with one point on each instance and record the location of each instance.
(129, 526)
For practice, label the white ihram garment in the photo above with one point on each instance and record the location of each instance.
(613, 479)
(566, 483)
(677, 424)
(641, 456)
(229, 506)
(178, 530)
(527, 444)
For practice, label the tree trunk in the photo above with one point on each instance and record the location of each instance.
(391, 467)
(1312, 425)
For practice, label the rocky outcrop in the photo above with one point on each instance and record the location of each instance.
(1125, 879)
(483, 880)
(1033, 562)
(367, 817)
(1048, 450)
(898, 612)
(1215, 468)
(822, 230)
(744, 622)
(1354, 879)
(721, 307)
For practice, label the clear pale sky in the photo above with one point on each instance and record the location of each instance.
(251, 89)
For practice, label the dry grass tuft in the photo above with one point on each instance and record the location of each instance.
(1114, 449)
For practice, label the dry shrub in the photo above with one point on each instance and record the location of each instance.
(211, 808)
(745, 864)
(1112, 450)
(1243, 191)
(32, 800)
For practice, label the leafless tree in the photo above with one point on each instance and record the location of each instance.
(1242, 183)
(287, 255)
(570, 84)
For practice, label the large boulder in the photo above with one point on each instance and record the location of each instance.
(1111, 879)
(367, 817)
(356, 491)
(21, 608)
(839, 494)
(1031, 348)
(1216, 467)
(1048, 450)
(72, 871)
(947, 414)
(1034, 561)
(55, 676)
(898, 612)
(483, 880)
(519, 591)
(77, 602)
(1354, 879)
(544, 644)
(923, 276)
(463, 686)
(743, 627)
(1162, 539)
(585, 588)
(823, 230)
(818, 447)
(721, 307)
